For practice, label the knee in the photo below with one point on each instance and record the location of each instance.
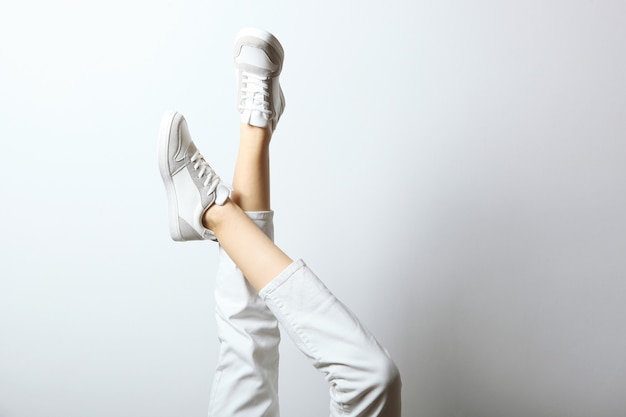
(385, 376)
(385, 388)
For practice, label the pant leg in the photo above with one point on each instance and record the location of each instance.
(246, 379)
(363, 379)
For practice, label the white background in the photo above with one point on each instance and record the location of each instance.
(453, 170)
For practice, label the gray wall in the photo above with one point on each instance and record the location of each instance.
(453, 170)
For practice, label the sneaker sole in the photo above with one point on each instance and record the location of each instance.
(164, 168)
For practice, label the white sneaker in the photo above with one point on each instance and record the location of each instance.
(258, 63)
(191, 184)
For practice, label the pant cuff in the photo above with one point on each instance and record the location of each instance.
(281, 278)
(264, 221)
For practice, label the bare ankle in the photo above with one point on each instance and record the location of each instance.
(215, 215)
(262, 135)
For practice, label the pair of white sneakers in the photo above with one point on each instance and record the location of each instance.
(190, 183)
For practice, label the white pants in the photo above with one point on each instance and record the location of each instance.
(363, 379)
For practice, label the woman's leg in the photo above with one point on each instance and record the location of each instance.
(246, 380)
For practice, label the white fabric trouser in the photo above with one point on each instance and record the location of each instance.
(363, 379)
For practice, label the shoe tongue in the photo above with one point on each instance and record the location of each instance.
(255, 57)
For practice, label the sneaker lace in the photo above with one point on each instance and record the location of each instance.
(255, 93)
(204, 170)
